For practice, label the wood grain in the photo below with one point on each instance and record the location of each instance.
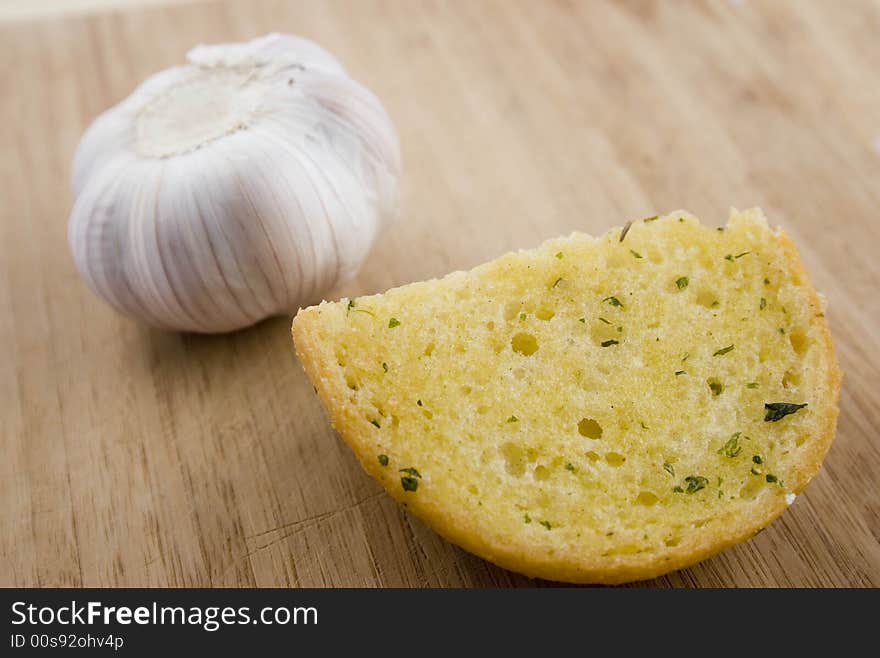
(140, 458)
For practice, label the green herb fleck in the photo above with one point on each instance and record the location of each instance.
(723, 351)
(678, 489)
(651, 219)
(383, 460)
(625, 230)
(682, 282)
(781, 330)
(419, 402)
(527, 518)
(351, 307)
(604, 320)
(679, 372)
(559, 255)
(681, 219)
(732, 447)
(522, 317)
(779, 410)
(642, 424)
(556, 283)
(570, 467)
(546, 524)
(583, 321)
(771, 478)
(384, 366)
(762, 304)
(613, 301)
(609, 343)
(411, 471)
(685, 357)
(716, 387)
(757, 459)
(669, 468)
(635, 253)
(376, 423)
(409, 483)
(745, 253)
(695, 483)
(513, 419)
(729, 257)
(752, 385)
(393, 322)
(766, 281)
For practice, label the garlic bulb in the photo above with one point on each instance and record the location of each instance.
(241, 185)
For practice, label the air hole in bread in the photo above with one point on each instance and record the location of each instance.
(592, 456)
(799, 341)
(429, 349)
(614, 459)
(511, 310)
(601, 332)
(514, 459)
(646, 498)
(541, 472)
(791, 379)
(545, 313)
(752, 488)
(490, 326)
(589, 428)
(672, 541)
(525, 344)
(800, 440)
(519, 373)
(707, 298)
(715, 386)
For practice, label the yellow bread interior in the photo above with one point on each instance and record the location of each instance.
(592, 410)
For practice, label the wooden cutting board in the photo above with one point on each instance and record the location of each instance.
(135, 457)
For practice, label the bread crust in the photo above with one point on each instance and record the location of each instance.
(571, 565)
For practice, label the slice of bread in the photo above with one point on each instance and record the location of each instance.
(594, 410)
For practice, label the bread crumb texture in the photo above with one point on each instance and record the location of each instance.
(596, 409)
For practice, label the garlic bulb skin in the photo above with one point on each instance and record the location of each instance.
(241, 185)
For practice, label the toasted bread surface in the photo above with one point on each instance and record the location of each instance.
(594, 410)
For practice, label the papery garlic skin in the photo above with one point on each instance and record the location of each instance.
(239, 186)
